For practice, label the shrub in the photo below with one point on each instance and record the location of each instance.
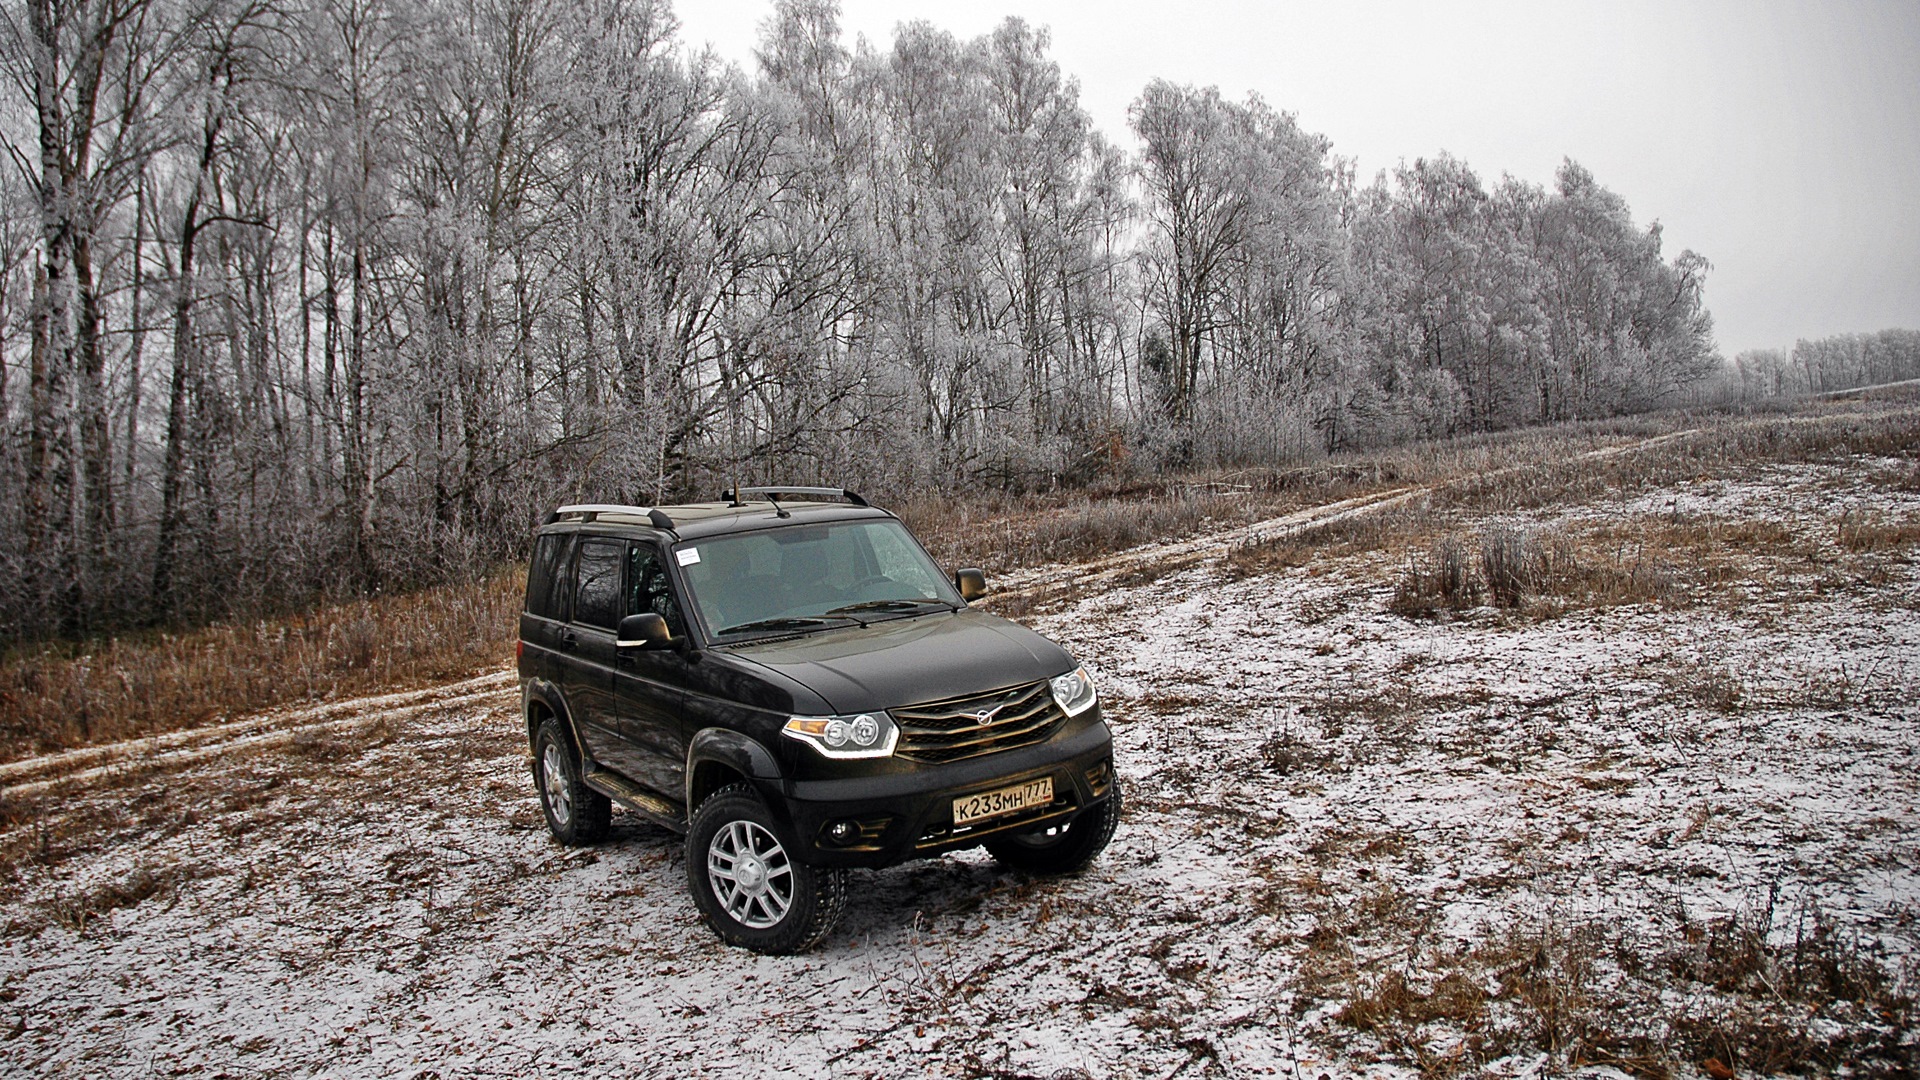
(1443, 579)
(1507, 560)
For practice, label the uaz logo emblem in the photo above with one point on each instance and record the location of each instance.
(985, 716)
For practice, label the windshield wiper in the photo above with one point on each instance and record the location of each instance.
(889, 605)
(785, 624)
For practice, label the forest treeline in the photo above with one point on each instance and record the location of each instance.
(1823, 365)
(310, 297)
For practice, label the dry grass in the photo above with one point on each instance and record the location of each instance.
(1718, 446)
(1402, 528)
(1444, 579)
(129, 687)
(1759, 991)
(77, 910)
(1000, 535)
(257, 794)
(1507, 565)
(1669, 560)
(1569, 574)
(1571, 466)
(1000, 532)
(1862, 533)
(1905, 478)
(1293, 750)
(62, 697)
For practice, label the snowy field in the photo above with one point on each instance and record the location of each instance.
(1622, 837)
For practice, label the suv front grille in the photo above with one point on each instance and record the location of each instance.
(944, 731)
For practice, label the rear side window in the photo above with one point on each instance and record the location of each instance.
(596, 599)
(542, 595)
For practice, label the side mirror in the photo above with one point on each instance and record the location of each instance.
(971, 583)
(646, 630)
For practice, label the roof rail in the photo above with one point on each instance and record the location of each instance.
(592, 511)
(733, 494)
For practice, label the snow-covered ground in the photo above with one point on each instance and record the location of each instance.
(1354, 845)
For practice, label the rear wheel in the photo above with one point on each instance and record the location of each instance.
(1061, 849)
(747, 883)
(576, 814)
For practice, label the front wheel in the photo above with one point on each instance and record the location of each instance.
(1061, 849)
(746, 882)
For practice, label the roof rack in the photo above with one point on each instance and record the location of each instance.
(733, 495)
(592, 511)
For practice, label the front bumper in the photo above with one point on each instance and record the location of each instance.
(909, 815)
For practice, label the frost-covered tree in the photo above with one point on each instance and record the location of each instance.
(320, 297)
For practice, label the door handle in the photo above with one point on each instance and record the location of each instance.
(568, 639)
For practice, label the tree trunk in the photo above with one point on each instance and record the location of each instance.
(96, 438)
(136, 346)
(174, 461)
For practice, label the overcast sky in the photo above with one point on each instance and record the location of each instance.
(1780, 140)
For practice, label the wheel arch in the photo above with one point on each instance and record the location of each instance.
(543, 703)
(717, 757)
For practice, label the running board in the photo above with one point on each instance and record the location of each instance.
(637, 799)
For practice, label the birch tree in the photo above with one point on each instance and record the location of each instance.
(89, 70)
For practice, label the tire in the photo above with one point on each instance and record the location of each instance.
(1065, 849)
(576, 814)
(746, 882)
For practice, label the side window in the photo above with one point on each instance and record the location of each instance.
(650, 588)
(596, 597)
(542, 594)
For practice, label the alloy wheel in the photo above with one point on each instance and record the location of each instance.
(553, 775)
(751, 874)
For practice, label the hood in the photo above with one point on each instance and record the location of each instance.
(906, 661)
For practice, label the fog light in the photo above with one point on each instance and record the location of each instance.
(843, 832)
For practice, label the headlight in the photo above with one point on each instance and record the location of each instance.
(862, 735)
(1073, 692)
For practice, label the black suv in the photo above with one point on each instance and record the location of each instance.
(799, 689)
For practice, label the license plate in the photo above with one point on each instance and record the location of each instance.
(990, 804)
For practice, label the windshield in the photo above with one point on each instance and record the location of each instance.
(804, 577)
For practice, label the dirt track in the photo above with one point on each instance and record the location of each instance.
(32, 776)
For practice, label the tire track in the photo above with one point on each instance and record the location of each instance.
(1109, 571)
(31, 776)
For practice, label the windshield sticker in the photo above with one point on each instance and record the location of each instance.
(687, 556)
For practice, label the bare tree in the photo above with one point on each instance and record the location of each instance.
(401, 275)
(89, 69)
